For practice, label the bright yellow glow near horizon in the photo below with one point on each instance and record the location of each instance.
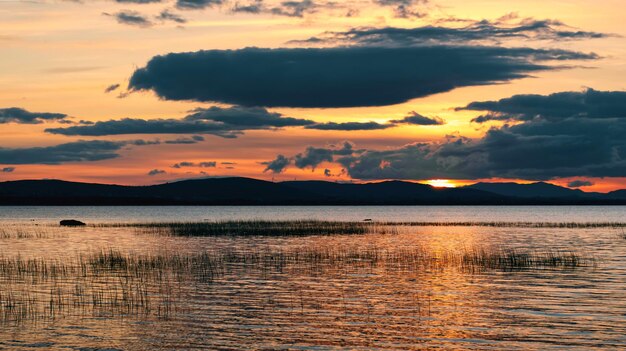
(441, 183)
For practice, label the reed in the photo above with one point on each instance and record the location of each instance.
(115, 283)
(313, 227)
(251, 228)
(29, 232)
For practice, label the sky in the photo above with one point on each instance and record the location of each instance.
(446, 92)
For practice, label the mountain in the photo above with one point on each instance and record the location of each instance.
(246, 191)
(534, 190)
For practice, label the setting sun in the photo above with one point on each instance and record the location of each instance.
(441, 183)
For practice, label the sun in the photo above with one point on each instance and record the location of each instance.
(441, 183)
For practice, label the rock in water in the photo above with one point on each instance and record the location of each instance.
(71, 223)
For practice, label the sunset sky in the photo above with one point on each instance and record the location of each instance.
(457, 91)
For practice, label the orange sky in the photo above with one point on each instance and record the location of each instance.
(59, 56)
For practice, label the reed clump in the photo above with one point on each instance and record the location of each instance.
(28, 232)
(251, 228)
(115, 283)
(315, 227)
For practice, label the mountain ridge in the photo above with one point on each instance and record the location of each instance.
(249, 191)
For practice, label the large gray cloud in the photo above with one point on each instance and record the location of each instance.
(78, 151)
(336, 77)
(578, 143)
(20, 115)
(589, 103)
(225, 122)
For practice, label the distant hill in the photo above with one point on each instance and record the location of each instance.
(246, 191)
(534, 190)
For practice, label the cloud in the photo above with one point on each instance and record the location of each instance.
(416, 118)
(224, 122)
(8, 169)
(156, 172)
(349, 126)
(554, 107)
(167, 15)
(132, 18)
(404, 8)
(193, 140)
(139, 1)
(336, 77)
(579, 183)
(210, 164)
(141, 142)
(22, 116)
(477, 32)
(294, 8)
(79, 151)
(278, 165)
(111, 88)
(197, 4)
(563, 142)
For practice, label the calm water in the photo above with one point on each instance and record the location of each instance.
(323, 306)
(342, 213)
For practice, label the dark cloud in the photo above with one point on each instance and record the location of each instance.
(211, 164)
(111, 88)
(294, 8)
(8, 169)
(298, 8)
(254, 7)
(554, 107)
(349, 126)
(138, 1)
(404, 8)
(156, 172)
(416, 118)
(192, 140)
(585, 143)
(197, 4)
(579, 183)
(335, 77)
(482, 32)
(278, 165)
(20, 115)
(141, 142)
(167, 15)
(312, 157)
(225, 122)
(78, 151)
(132, 18)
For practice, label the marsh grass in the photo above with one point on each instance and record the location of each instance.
(314, 227)
(30, 232)
(250, 228)
(115, 284)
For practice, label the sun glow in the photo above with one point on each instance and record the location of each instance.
(441, 183)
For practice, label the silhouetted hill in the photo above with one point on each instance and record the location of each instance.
(395, 192)
(534, 190)
(246, 191)
(617, 194)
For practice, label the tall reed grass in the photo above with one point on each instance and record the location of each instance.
(314, 227)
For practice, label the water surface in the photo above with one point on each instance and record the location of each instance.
(325, 306)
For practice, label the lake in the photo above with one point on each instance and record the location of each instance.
(506, 286)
